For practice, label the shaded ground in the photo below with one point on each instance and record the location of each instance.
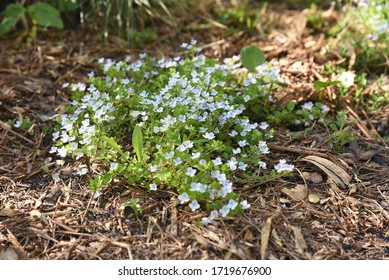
(46, 212)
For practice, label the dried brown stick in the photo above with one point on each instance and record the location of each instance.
(359, 123)
(297, 150)
(373, 128)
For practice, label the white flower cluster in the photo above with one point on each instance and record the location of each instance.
(94, 108)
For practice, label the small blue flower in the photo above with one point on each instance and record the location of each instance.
(209, 135)
(194, 205)
(153, 168)
(244, 204)
(113, 166)
(224, 211)
(183, 198)
(217, 161)
(283, 166)
(191, 171)
(177, 161)
(307, 106)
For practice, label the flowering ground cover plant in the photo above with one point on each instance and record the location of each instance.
(363, 32)
(172, 123)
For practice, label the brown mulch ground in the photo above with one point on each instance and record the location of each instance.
(50, 214)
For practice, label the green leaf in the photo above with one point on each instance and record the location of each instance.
(319, 84)
(45, 15)
(12, 14)
(290, 106)
(110, 141)
(333, 127)
(137, 142)
(281, 84)
(251, 57)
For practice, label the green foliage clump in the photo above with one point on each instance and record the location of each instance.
(362, 34)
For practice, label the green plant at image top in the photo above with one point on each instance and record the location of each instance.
(174, 123)
(130, 20)
(41, 14)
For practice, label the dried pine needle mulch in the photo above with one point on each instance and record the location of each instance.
(52, 215)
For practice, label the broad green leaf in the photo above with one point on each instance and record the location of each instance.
(45, 15)
(137, 142)
(290, 106)
(319, 84)
(333, 127)
(110, 141)
(12, 14)
(251, 57)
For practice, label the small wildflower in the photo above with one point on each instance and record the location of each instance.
(244, 204)
(153, 168)
(62, 152)
(153, 187)
(55, 135)
(242, 166)
(307, 106)
(177, 161)
(18, 124)
(263, 148)
(214, 215)
(263, 125)
(209, 135)
(206, 221)
(194, 205)
(113, 166)
(224, 211)
(96, 194)
(324, 108)
(184, 197)
(233, 133)
(283, 166)
(232, 204)
(347, 79)
(195, 155)
(81, 171)
(198, 187)
(242, 143)
(191, 171)
(232, 163)
(169, 155)
(262, 164)
(217, 161)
